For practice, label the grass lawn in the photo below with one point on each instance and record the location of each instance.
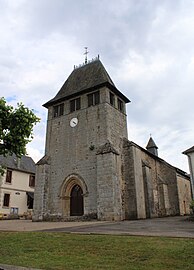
(75, 251)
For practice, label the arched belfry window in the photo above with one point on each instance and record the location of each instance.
(76, 201)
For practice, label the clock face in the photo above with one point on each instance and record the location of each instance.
(73, 122)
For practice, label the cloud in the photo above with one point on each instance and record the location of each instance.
(146, 47)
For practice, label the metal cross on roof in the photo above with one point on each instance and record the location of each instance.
(86, 53)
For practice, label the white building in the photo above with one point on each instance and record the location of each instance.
(190, 153)
(17, 185)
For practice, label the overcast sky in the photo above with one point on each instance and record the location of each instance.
(146, 46)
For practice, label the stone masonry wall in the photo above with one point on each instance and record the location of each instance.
(184, 193)
(150, 184)
(109, 199)
(73, 150)
(129, 197)
(41, 192)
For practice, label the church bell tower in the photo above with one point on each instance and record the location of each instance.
(80, 175)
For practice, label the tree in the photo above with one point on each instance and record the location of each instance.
(192, 207)
(16, 126)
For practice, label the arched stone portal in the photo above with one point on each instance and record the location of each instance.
(72, 194)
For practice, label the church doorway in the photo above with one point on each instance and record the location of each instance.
(73, 193)
(76, 201)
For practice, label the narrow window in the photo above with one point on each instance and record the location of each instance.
(94, 98)
(61, 109)
(8, 176)
(6, 200)
(120, 105)
(112, 99)
(32, 180)
(78, 104)
(75, 104)
(90, 100)
(72, 105)
(55, 111)
(58, 110)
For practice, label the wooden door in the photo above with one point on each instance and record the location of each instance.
(76, 201)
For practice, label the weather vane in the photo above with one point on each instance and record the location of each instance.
(86, 53)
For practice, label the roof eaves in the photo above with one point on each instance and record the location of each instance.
(21, 170)
(182, 173)
(85, 91)
(190, 150)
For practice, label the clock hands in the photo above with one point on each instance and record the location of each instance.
(73, 122)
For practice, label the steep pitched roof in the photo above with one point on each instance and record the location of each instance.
(25, 164)
(85, 79)
(151, 144)
(190, 150)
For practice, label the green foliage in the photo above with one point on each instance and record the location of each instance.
(192, 206)
(2, 170)
(16, 127)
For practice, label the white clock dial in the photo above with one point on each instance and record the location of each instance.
(73, 122)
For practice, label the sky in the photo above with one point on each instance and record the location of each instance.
(146, 46)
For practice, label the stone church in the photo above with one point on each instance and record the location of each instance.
(91, 169)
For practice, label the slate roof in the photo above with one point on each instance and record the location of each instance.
(85, 79)
(190, 150)
(151, 144)
(26, 164)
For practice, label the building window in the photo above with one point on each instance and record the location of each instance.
(75, 104)
(112, 99)
(58, 110)
(14, 210)
(30, 200)
(94, 99)
(6, 200)
(8, 176)
(32, 180)
(120, 105)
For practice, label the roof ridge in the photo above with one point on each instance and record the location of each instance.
(88, 62)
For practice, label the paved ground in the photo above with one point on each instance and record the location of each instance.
(22, 225)
(170, 226)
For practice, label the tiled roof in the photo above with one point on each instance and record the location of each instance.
(25, 164)
(85, 79)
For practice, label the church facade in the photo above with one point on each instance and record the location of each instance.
(90, 168)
